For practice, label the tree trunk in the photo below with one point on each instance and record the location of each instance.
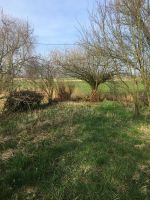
(136, 109)
(136, 97)
(147, 95)
(94, 94)
(49, 101)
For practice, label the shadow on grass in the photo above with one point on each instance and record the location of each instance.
(101, 159)
(28, 108)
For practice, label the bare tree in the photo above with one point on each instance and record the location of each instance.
(83, 65)
(136, 14)
(32, 67)
(16, 44)
(46, 72)
(119, 32)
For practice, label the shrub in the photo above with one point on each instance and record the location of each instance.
(23, 100)
(64, 91)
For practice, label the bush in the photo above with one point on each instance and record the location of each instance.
(65, 91)
(23, 100)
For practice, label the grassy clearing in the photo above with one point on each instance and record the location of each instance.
(75, 151)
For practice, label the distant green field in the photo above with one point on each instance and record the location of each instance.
(84, 88)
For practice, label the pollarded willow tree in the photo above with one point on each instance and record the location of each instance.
(81, 64)
(120, 32)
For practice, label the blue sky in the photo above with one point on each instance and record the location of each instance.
(54, 21)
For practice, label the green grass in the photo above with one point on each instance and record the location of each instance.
(75, 151)
(83, 88)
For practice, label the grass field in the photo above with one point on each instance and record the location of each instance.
(82, 88)
(75, 151)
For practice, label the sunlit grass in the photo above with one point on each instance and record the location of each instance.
(75, 151)
(83, 88)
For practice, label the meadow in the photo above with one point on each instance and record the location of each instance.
(82, 88)
(75, 101)
(75, 150)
